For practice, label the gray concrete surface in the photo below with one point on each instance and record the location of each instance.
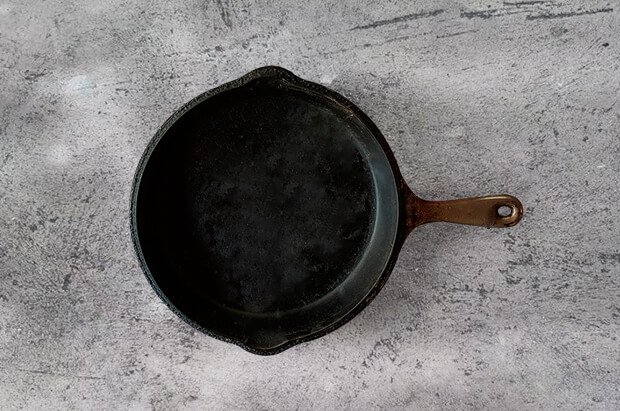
(475, 97)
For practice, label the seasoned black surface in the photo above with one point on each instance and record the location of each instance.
(259, 199)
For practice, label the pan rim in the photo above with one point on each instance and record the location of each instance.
(281, 73)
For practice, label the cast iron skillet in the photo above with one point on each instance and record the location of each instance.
(270, 210)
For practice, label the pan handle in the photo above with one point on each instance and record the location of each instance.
(489, 211)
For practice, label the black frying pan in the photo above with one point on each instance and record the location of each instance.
(270, 211)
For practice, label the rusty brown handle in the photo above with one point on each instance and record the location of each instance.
(489, 211)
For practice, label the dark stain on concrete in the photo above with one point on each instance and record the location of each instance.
(483, 292)
(613, 258)
(558, 31)
(223, 7)
(66, 282)
(526, 260)
(384, 348)
(6, 159)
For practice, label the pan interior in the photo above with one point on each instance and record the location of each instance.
(266, 211)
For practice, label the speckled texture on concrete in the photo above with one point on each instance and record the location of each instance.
(475, 97)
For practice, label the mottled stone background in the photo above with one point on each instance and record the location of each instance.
(475, 97)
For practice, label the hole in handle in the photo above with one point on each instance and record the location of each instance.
(505, 211)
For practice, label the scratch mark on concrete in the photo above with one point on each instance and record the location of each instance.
(456, 34)
(608, 109)
(33, 75)
(484, 14)
(487, 14)
(397, 39)
(407, 17)
(526, 3)
(367, 45)
(403, 38)
(569, 14)
(56, 374)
